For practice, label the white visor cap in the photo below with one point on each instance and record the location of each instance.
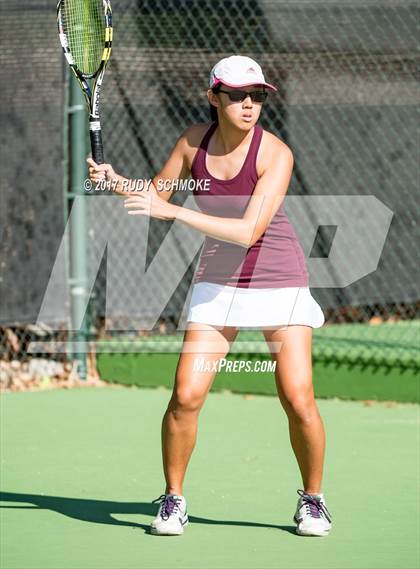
(238, 71)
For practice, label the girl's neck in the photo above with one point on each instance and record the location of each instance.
(228, 138)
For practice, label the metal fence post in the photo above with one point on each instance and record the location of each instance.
(77, 151)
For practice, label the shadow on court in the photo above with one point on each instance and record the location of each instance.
(100, 511)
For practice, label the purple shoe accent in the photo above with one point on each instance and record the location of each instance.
(314, 506)
(170, 505)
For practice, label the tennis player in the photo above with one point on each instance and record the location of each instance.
(252, 274)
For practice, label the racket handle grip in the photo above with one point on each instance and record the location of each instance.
(96, 142)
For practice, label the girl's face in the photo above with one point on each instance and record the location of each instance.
(240, 107)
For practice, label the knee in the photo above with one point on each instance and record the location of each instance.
(302, 408)
(185, 400)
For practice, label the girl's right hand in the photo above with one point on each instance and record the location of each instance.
(100, 172)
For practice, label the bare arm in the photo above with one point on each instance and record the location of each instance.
(267, 197)
(175, 168)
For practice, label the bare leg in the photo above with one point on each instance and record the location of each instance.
(294, 386)
(179, 425)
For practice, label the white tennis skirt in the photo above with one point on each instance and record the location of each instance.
(221, 305)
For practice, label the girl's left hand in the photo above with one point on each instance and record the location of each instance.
(147, 202)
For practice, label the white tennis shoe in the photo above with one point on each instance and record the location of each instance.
(172, 515)
(312, 516)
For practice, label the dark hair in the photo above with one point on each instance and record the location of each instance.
(213, 109)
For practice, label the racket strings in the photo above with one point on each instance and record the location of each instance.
(83, 23)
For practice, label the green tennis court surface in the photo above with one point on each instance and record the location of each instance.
(80, 468)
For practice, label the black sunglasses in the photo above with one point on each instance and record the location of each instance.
(239, 96)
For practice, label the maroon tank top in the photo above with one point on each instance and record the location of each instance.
(276, 260)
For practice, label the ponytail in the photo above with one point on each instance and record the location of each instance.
(213, 114)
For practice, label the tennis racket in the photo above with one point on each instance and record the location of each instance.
(85, 32)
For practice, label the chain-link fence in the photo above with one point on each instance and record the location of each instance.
(346, 106)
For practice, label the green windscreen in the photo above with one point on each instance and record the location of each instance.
(84, 25)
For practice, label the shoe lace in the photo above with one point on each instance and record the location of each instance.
(168, 505)
(314, 507)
